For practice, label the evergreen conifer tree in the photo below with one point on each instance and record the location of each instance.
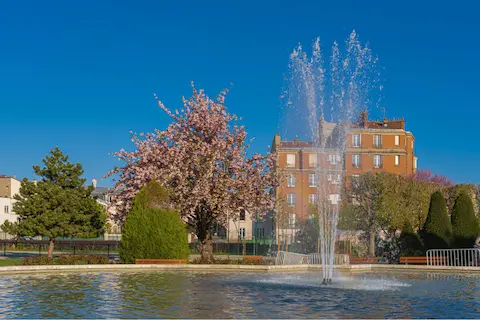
(59, 205)
(437, 230)
(464, 223)
(151, 231)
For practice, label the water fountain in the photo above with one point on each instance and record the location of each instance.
(336, 92)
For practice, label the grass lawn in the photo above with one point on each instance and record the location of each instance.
(10, 262)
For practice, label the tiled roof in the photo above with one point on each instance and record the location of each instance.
(295, 144)
(102, 190)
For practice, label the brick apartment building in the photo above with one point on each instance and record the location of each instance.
(379, 146)
(371, 146)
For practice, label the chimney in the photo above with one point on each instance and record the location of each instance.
(363, 118)
(276, 142)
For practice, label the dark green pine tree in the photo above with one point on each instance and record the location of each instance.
(437, 231)
(58, 205)
(464, 223)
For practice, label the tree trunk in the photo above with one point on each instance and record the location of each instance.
(203, 226)
(372, 244)
(51, 245)
(205, 246)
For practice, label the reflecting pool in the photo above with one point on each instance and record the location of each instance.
(154, 294)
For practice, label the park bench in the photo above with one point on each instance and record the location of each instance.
(423, 260)
(160, 261)
(357, 260)
(413, 260)
(252, 258)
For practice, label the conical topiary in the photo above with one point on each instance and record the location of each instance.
(464, 223)
(410, 243)
(437, 231)
(153, 232)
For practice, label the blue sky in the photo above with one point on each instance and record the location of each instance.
(81, 74)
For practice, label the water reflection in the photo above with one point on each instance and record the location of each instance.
(150, 294)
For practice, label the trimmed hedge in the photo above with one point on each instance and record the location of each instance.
(65, 260)
(437, 231)
(464, 223)
(152, 232)
(237, 261)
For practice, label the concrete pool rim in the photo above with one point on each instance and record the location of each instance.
(231, 268)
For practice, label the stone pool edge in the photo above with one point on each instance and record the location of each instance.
(232, 268)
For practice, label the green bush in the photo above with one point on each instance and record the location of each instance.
(410, 243)
(152, 233)
(65, 260)
(464, 223)
(237, 261)
(36, 261)
(437, 231)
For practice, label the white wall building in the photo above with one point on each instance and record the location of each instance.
(103, 195)
(9, 187)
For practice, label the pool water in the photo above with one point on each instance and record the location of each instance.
(153, 294)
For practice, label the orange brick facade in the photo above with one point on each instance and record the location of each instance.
(371, 146)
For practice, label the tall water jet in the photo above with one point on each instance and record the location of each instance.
(321, 102)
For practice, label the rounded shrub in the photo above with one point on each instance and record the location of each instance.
(464, 223)
(410, 243)
(152, 233)
(437, 231)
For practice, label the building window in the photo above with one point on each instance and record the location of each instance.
(415, 163)
(397, 140)
(242, 215)
(336, 179)
(355, 179)
(377, 161)
(412, 144)
(291, 160)
(312, 198)
(292, 219)
(333, 158)
(291, 181)
(356, 161)
(241, 233)
(260, 233)
(292, 199)
(356, 140)
(377, 141)
(312, 160)
(334, 198)
(397, 160)
(6, 209)
(312, 179)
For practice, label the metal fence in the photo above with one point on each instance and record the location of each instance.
(469, 257)
(40, 247)
(339, 259)
(248, 247)
(292, 258)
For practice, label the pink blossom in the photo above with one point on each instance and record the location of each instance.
(201, 156)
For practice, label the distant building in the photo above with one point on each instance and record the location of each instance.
(370, 146)
(380, 146)
(104, 196)
(9, 187)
